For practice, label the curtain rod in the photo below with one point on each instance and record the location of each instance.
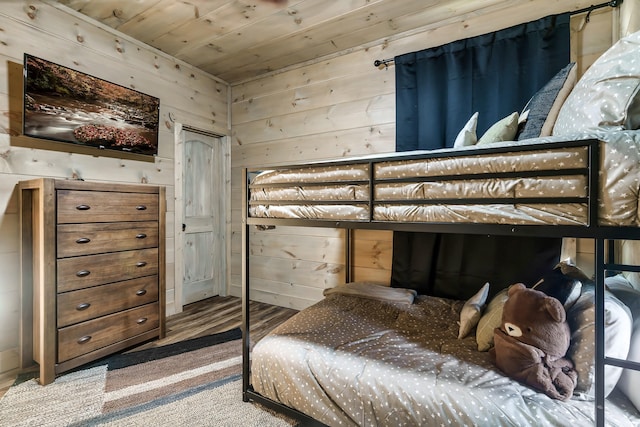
(613, 3)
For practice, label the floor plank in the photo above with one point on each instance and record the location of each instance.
(210, 316)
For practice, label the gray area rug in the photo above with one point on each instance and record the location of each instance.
(196, 383)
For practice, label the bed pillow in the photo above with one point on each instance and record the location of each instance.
(490, 320)
(629, 379)
(564, 283)
(543, 108)
(472, 310)
(617, 331)
(608, 94)
(372, 290)
(467, 136)
(503, 130)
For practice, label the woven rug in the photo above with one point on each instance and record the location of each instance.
(195, 382)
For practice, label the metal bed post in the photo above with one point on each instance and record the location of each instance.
(348, 248)
(246, 321)
(600, 268)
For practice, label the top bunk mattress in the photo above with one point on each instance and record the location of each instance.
(543, 181)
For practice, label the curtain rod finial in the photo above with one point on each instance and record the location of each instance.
(378, 63)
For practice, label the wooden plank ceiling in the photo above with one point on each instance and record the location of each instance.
(237, 40)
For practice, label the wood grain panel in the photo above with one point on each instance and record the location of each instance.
(85, 304)
(588, 43)
(77, 34)
(359, 141)
(311, 273)
(28, 157)
(292, 247)
(238, 41)
(217, 19)
(373, 254)
(337, 90)
(103, 206)
(88, 336)
(359, 113)
(350, 30)
(91, 270)
(265, 35)
(372, 275)
(87, 239)
(358, 62)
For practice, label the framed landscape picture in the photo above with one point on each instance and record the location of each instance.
(71, 107)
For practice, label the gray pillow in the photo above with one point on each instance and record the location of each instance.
(544, 106)
(564, 283)
(472, 310)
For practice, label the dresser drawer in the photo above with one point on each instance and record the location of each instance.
(76, 340)
(96, 238)
(92, 270)
(85, 304)
(105, 206)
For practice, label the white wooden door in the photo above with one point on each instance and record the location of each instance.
(203, 217)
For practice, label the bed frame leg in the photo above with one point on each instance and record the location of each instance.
(600, 267)
(246, 321)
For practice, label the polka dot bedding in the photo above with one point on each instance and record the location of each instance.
(618, 199)
(356, 361)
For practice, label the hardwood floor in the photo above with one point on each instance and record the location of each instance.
(219, 314)
(216, 314)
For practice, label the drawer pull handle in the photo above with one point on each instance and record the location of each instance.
(141, 292)
(83, 306)
(141, 263)
(83, 273)
(141, 320)
(83, 240)
(85, 339)
(83, 207)
(141, 207)
(141, 236)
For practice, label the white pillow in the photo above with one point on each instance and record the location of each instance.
(608, 94)
(472, 310)
(467, 136)
(617, 332)
(373, 290)
(629, 382)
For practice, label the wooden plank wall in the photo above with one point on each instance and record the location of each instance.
(186, 95)
(337, 107)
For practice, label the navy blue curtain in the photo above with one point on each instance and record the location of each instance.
(438, 89)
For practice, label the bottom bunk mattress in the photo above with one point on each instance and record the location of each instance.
(349, 360)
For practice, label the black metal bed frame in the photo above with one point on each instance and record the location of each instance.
(604, 240)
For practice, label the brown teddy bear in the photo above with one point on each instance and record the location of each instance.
(532, 340)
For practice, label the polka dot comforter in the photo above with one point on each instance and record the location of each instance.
(349, 360)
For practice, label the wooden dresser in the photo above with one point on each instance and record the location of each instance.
(93, 264)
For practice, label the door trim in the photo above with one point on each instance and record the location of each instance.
(179, 212)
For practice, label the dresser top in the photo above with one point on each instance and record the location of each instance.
(73, 184)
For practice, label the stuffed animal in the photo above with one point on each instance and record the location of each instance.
(531, 343)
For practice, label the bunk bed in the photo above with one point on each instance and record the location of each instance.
(581, 184)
